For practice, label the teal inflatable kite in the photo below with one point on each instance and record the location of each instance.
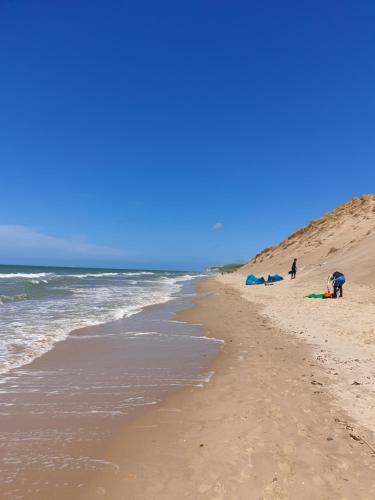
(274, 278)
(253, 280)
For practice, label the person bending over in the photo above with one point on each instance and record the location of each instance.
(336, 280)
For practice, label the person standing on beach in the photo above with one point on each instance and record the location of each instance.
(293, 271)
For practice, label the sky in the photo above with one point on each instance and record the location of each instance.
(179, 135)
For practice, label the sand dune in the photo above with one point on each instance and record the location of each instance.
(344, 238)
(342, 332)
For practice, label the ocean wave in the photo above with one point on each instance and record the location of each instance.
(4, 299)
(24, 275)
(105, 275)
(184, 277)
(40, 324)
(89, 275)
(190, 277)
(174, 279)
(137, 273)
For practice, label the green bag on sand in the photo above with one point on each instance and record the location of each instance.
(316, 296)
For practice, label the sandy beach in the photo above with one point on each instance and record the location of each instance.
(268, 426)
(247, 392)
(60, 414)
(187, 250)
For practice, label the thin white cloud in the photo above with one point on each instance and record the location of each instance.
(25, 242)
(217, 226)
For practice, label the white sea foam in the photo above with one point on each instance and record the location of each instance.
(23, 275)
(140, 334)
(138, 273)
(4, 299)
(203, 337)
(91, 275)
(30, 328)
(179, 336)
(106, 275)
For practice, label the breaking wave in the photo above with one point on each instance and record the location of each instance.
(4, 299)
(58, 302)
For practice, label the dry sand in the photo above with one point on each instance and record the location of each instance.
(340, 332)
(267, 426)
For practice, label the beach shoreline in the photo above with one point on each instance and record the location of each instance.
(60, 413)
(266, 426)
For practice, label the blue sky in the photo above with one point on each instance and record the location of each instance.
(129, 129)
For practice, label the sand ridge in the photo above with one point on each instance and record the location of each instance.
(344, 237)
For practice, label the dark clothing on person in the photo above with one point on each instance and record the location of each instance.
(336, 274)
(337, 288)
(338, 279)
(293, 271)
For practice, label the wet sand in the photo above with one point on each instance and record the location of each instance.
(60, 414)
(265, 427)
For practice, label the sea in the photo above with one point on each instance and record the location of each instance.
(39, 306)
(83, 351)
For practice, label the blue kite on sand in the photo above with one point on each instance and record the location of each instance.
(274, 278)
(253, 280)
